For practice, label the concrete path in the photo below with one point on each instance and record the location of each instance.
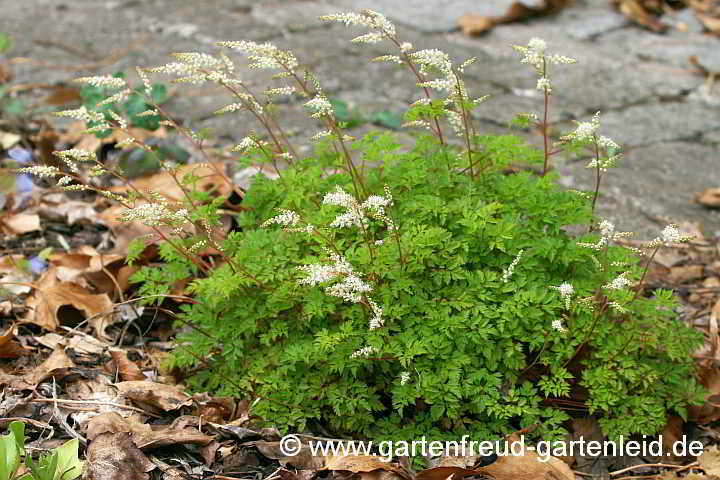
(651, 100)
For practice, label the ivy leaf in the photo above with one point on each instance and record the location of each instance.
(387, 119)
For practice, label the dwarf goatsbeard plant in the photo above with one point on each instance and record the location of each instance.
(432, 294)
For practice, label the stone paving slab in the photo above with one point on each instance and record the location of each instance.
(651, 99)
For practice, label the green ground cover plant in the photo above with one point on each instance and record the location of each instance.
(60, 463)
(384, 292)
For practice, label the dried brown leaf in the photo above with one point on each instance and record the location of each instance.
(637, 13)
(19, 223)
(710, 460)
(154, 395)
(122, 366)
(363, 464)
(114, 456)
(7, 139)
(686, 273)
(708, 377)
(9, 347)
(143, 435)
(709, 198)
(477, 24)
(166, 183)
(507, 467)
(304, 459)
(60, 96)
(56, 363)
(711, 23)
(85, 265)
(55, 303)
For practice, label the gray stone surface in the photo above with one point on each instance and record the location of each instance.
(645, 188)
(663, 122)
(651, 99)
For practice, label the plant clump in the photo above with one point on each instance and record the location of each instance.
(375, 291)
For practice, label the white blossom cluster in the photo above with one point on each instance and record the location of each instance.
(154, 214)
(618, 283)
(558, 325)
(286, 218)
(534, 55)
(607, 235)
(103, 81)
(436, 61)
(587, 132)
(388, 59)
(508, 272)
(41, 171)
(145, 80)
(566, 291)
(356, 214)
(279, 91)
(448, 81)
(363, 352)
(617, 307)
(381, 26)
(404, 378)
(197, 68)
(83, 114)
(376, 321)
(265, 56)
(349, 286)
(321, 106)
(670, 234)
(247, 142)
(72, 156)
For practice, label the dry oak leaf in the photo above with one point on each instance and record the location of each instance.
(9, 347)
(114, 456)
(637, 13)
(363, 464)
(154, 395)
(57, 362)
(122, 366)
(19, 223)
(13, 276)
(686, 273)
(304, 459)
(143, 435)
(709, 378)
(169, 185)
(518, 11)
(54, 303)
(710, 460)
(8, 139)
(709, 198)
(507, 467)
(86, 264)
(711, 23)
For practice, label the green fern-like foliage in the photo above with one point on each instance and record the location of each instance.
(467, 347)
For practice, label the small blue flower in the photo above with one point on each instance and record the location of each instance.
(37, 265)
(23, 183)
(20, 155)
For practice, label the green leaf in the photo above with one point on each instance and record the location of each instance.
(158, 93)
(387, 119)
(69, 466)
(12, 446)
(15, 107)
(6, 42)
